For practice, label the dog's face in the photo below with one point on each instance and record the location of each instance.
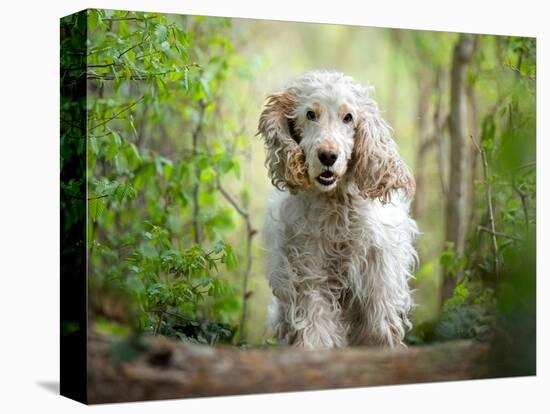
(323, 129)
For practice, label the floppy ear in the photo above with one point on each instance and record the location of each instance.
(285, 159)
(377, 166)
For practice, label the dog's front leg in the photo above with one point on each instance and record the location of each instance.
(388, 299)
(312, 321)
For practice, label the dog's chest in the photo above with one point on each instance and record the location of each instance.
(334, 234)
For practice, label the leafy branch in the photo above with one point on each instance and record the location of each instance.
(121, 19)
(107, 65)
(127, 108)
(111, 77)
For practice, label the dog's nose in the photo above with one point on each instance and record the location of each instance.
(327, 157)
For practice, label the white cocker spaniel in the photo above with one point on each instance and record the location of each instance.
(338, 233)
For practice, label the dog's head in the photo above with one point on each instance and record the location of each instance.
(323, 130)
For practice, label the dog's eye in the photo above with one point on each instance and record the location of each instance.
(348, 118)
(311, 115)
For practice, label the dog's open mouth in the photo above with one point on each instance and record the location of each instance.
(326, 178)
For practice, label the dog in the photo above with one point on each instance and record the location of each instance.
(338, 234)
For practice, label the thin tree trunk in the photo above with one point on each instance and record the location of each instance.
(458, 122)
(424, 142)
(196, 189)
(490, 211)
(473, 173)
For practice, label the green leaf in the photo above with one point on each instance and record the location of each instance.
(124, 191)
(113, 146)
(160, 84)
(93, 144)
(93, 19)
(205, 281)
(96, 207)
(219, 247)
(236, 166)
(207, 199)
(161, 32)
(207, 175)
(230, 258)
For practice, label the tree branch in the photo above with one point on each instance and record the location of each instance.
(110, 77)
(159, 323)
(175, 315)
(250, 233)
(523, 197)
(489, 195)
(117, 114)
(528, 165)
(499, 234)
(196, 208)
(231, 200)
(120, 19)
(440, 162)
(98, 197)
(133, 46)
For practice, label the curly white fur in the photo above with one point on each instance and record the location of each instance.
(340, 249)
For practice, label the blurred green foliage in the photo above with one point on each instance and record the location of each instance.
(507, 133)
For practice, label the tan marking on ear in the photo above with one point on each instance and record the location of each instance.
(283, 102)
(296, 173)
(378, 168)
(285, 159)
(276, 107)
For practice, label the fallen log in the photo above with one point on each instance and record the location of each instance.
(166, 369)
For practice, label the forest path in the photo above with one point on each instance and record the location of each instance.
(165, 368)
